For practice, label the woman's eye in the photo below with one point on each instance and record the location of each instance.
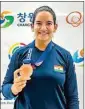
(38, 23)
(49, 23)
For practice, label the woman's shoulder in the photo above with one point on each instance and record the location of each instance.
(22, 49)
(62, 51)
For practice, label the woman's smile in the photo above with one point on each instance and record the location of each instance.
(43, 33)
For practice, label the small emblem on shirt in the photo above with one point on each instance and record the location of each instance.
(58, 68)
(29, 54)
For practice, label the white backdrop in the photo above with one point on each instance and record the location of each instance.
(67, 36)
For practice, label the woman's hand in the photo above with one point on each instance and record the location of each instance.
(21, 76)
(19, 83)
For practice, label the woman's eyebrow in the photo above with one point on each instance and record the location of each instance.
(47, 21)
(50, 21)
(38, 21)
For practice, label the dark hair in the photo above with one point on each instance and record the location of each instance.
(44, 8)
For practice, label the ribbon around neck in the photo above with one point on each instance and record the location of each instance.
(43, 56)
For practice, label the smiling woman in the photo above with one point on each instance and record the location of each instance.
(41, 75)
(44, 25)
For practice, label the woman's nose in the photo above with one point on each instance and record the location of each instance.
(43, 27)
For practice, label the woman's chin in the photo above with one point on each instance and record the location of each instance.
(43, 38)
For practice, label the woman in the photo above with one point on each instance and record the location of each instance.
(51, 82)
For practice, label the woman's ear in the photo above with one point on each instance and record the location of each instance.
(55, 27)
(32, 27)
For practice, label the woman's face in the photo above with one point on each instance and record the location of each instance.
(44, 26)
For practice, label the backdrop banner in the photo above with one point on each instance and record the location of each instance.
(15, 20)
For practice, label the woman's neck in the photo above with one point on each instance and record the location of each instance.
(41, 45)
